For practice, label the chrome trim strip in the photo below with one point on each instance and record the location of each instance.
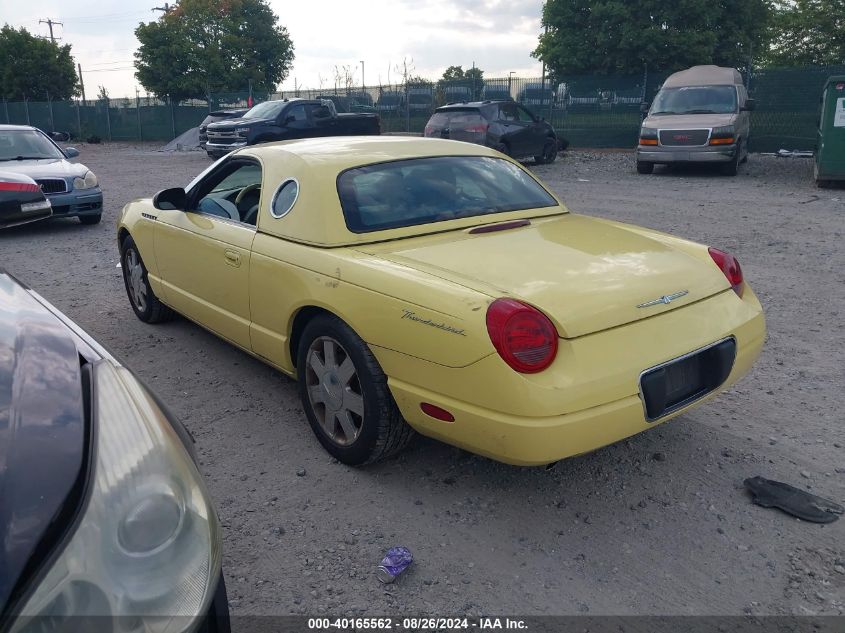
(685, 404)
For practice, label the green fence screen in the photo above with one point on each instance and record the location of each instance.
(589, 111)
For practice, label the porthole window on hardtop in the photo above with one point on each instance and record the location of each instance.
(285, 198)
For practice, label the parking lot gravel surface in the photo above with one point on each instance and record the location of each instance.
(657, 524)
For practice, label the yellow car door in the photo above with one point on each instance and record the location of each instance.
(203, 253)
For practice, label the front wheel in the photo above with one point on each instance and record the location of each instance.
(345, 395)
(145, 304)
(731, 168)
(549, 152)
(644, 168)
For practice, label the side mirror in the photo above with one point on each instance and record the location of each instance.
(71, 152)
(174, 199)
(644, 107)
(289, 119)
(750, 105)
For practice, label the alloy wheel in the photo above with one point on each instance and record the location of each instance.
(134, 273)
(334, 390)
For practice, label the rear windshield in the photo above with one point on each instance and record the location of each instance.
(425, 190)
(695, 100)
(456, 119)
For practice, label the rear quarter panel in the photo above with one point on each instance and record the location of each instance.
(388, 305)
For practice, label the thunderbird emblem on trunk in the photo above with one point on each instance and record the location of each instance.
(665, 299)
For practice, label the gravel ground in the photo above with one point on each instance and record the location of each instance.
(658, 524)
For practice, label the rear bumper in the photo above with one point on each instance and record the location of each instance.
(77, 203)
(706, 154)
(516, 437)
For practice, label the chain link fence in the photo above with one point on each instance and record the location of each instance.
(589, 111)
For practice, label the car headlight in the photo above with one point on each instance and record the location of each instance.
(148, 543)
(726, 131)
(88, 182)
(242, 131)
(649, 133)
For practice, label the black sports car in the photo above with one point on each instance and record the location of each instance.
(105, 522)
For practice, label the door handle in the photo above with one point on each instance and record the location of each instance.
(233, 258)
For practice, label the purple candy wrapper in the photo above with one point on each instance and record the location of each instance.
(394, 563)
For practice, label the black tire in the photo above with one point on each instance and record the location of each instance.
(381, 431)
(644, 168)
(149, 309)
(732, 168)
(91, 219)
(549, 152)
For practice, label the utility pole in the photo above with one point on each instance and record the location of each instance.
(50, 24)
(165, 9)
(363, 83)
(81, 83)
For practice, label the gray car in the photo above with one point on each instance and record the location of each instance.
(700, 115)
(71, 188)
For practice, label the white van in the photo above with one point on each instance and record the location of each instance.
(700, 115)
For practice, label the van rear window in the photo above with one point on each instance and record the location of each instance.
(425, 190)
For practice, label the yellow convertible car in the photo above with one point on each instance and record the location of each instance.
(436, 286)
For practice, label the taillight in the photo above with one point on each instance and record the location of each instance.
(730, 267)
(523, 336)
(429, 130)
(481, 128)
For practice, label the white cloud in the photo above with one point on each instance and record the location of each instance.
(498, 35)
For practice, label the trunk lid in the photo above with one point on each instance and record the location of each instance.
(586, 275)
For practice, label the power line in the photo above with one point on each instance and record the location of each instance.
(110, 70)
(50, 24)
(122, 61)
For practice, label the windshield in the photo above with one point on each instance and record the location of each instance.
(26, 144)
(425, 190)
(695, 100)
(266, 110)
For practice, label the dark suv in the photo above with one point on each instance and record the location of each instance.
(506, 126)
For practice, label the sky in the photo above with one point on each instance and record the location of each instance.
(430, 35)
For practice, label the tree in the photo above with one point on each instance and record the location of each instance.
(808, 32)
(35, 68)
(472, 78)
(620, 36)
(204, 46)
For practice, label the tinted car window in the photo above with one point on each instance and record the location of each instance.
(507, 112)
(525, 115)
(424, 190)
(298, 113)
(285, 197)
(456, 119)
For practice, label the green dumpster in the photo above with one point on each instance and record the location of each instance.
(830, 149)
